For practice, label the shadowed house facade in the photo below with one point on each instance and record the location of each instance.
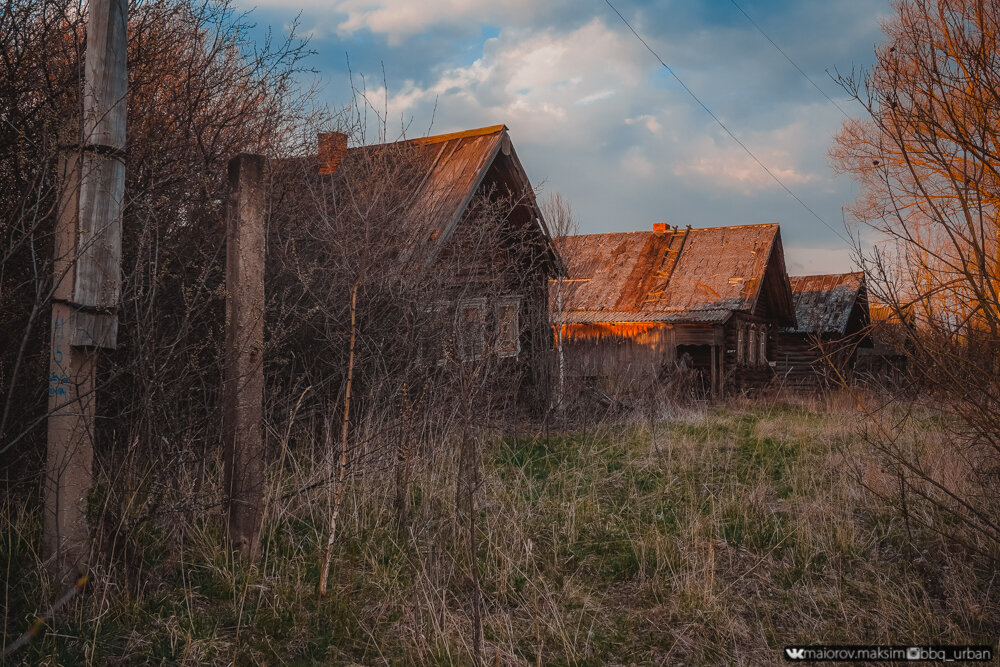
(455, 213)
(496, 279)
(642, 305)
(832, 325)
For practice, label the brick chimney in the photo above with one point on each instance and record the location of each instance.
(660, 227)
(332, 149)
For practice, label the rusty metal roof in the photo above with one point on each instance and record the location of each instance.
(449, 170)
(687, 316)
(681, 275)
(455, 165)
(823, 303)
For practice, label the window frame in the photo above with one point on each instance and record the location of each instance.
(500, 346)
(479, 347)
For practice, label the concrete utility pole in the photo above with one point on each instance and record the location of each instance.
(87, 277)
(243, 384)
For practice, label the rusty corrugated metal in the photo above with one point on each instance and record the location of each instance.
(455, 166)
(448, 169)
(823, 303)
(694, 275)
(689, 316)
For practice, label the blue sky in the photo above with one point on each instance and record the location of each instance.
(595, 117)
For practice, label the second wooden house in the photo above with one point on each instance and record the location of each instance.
(832, 325)
(644, 305)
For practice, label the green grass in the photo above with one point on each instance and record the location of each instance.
(737, 531)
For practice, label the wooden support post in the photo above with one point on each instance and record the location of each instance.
(714, 371)
(243, 387)
(69, 461)
(720, 336)
(722, 370)
(87, 284)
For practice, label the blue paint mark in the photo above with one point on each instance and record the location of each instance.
(58, 381)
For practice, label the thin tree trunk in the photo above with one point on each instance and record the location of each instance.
(342, 466)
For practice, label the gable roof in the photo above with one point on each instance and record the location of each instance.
(676, 275)
(824, 303)
(449, 170)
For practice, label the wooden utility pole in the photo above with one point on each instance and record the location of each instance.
(87, 286)
(243, 384)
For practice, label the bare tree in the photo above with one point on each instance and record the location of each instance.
(197, 95)
(559, 214)
(926, 158)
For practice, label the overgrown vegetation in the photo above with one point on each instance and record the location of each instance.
(924, 156)
(740, 530)
(460, 527)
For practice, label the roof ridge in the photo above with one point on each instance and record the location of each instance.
(753, 224)
(693, 229)
(438, 138)
(828, 275)
(477, 132)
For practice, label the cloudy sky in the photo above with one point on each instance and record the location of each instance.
(593, 114)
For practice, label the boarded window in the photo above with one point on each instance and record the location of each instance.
(471, 327)
(752, 346)
(740, 342)
(508, 340)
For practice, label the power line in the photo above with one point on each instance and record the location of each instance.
(723, 125)
(789, 59)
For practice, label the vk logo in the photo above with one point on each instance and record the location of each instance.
(795, 653)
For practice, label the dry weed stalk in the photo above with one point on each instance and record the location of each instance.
(338, 495)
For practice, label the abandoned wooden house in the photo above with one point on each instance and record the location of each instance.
(462, 216)
(832, 325)
(639, 306)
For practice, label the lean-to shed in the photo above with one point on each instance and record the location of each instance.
(645, 304)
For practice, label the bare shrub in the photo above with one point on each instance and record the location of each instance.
(925, 160)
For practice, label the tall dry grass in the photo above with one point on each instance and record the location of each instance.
(734, 531)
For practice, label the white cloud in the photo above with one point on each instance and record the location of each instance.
(636, 164)
(531, 80)
(787, 151)
(593, 116)
(595, 97)
(651, 123)
(400, 19)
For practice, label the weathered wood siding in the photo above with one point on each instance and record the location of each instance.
(806, 359)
